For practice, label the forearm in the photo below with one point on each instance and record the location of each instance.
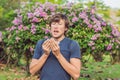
(38, 65)
(70, 68)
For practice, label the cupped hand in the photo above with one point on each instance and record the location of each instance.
(54, 47)
(46, 47)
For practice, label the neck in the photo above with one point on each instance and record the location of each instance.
(59, 38)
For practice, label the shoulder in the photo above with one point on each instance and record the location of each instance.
(39, 42)
(71, 41)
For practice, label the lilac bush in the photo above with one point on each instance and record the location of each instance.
(90, 30)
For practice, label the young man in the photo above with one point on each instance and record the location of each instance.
(57, 58)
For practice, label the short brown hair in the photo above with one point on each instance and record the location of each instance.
(57, 17)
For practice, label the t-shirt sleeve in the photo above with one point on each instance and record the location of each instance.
(75, 50)
(38, 50)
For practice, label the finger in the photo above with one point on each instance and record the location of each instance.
(47, 41)
(47, 45)
(53, 40)
(54, 46)
(55, 43)
(51, 44)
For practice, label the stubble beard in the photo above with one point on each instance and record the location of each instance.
(58, 37)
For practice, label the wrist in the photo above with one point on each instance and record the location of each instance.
(58, 56)
(46, 54)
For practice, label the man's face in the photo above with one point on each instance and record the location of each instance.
(58, 29)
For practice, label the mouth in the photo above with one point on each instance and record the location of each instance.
(56, 31)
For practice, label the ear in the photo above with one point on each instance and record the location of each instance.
(66, 29)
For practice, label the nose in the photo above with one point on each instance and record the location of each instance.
(56, 25)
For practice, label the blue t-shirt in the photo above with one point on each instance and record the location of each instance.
(52, 70)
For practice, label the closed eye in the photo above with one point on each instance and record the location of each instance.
(60, 23)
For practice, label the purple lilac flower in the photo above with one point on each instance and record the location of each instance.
(96, 30)
(40, 9)
(33, 26)
(103, 23)
(86, 21)
(12, 28)
(94, 26)
(94, 37)
(98, 23)
(109, 47)
(20, 18)
(99, 28)
(46, 17)
(25, 28)
(37, 13)
(35, 19)
(16, 21)
(83, 15)
(49, 6)
(74, 19)
(93, 10)
(115, 32)
(94, 19)
(33, 29)
(91, 43)
(20, 27)
(90, 25)
(47, 31)
(43, 14)
(30, 15)
(99, 18)
(37, 10)
(111, 37)
(117, 41)
(52, 8)
(52, 13)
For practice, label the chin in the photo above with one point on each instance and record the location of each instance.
(56, 37)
